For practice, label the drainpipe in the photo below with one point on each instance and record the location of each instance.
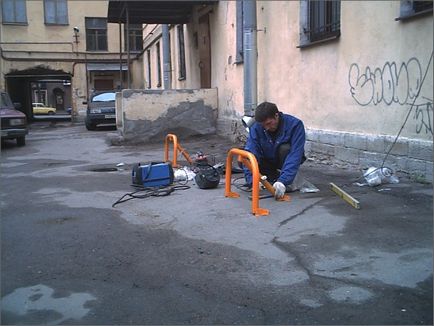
(120, 56)
(128, 47)
(87, 78)
(250, 57)
(166, 56)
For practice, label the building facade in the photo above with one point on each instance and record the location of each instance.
(358, 73)
(58, 51)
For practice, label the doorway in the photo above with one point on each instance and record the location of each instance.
(103, 84)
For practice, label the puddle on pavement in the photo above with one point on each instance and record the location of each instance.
(36, 305)
(350, 294)
(59, 220)
(103, 169)
(311, 303)
(109, 167)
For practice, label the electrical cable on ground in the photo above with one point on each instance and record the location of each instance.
(145, 192)
(242, 187)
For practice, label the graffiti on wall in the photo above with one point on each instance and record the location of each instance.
(423, 116)
(393, 84)
(388, 84)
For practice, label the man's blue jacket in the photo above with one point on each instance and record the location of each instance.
(260, 143)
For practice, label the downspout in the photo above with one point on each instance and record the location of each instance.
(250, 57)
(128, 47)
(120, 57)
(166, 56)
(121, 76)
(87, 78)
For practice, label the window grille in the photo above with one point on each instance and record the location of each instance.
(419, 6)
(414, 8)
(319, 21)
(324, 20)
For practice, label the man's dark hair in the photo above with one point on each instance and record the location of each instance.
(265, 110)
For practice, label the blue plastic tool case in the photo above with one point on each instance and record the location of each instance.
(152, 174)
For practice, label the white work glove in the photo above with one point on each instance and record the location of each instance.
(280, 189)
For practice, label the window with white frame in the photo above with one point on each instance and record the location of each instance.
(319, 21)
(414, 8)
(56, 12)
(14, 12)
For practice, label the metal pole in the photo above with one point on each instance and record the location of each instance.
(250, 57)
(166, 57)
(128, 48)
(120, 55)
(87, 77)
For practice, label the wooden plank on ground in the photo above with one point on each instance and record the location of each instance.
(345, 196)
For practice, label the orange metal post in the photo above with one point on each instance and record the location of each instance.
(256, 210)
(185, 154)
(174, 139)
(176, 147)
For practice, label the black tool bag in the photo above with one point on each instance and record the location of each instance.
(207, 177)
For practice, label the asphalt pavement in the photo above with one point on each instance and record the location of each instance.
(195, 256)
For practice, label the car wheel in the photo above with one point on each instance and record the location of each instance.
(50, 113)
(21, 141)
(90, 126)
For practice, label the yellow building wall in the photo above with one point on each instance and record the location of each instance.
(324, 84)
(58, 49)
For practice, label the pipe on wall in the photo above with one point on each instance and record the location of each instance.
(128, 47)
(166, 57)
(40, 43)
(250, 57)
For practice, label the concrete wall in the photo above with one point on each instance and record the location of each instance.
(149, 115)
(335, 86)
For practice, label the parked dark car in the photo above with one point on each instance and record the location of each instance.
(13, 122)
(101, 109)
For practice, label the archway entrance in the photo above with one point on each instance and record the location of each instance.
(44, 94)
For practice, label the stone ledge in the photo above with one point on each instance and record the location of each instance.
(361, 151)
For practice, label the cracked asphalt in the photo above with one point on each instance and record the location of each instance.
(196, 257)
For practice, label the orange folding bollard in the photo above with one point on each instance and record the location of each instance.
(176, 147)
(265, 182)
(249, 160)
